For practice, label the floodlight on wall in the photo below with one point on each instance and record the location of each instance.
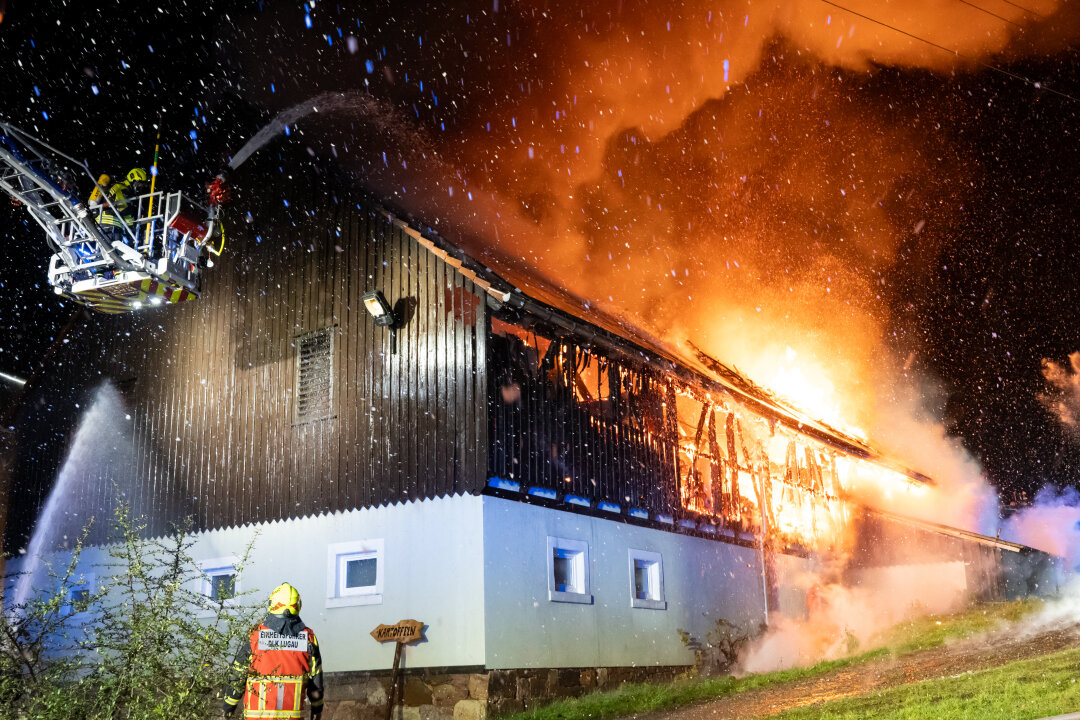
(378, 308)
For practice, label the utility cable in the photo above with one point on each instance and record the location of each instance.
(1002, 18)
(955, 53)
(1021, 7)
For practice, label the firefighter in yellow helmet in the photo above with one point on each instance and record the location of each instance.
(278, 664)
(121, 195)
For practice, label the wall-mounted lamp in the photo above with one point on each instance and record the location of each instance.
(379, 309)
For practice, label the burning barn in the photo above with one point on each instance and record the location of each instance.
(407, 434)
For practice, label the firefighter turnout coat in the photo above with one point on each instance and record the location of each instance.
(275, 669)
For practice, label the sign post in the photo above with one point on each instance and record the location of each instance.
(403, 633)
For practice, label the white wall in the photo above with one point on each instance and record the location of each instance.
(474, 569)
(704, 580)
(433, 573)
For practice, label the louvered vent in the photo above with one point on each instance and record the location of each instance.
(314, 375)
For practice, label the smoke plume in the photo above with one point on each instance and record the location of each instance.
(1051, 524)
(758, 179)
(843, 620)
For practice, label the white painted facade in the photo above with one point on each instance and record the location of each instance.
(476, 570)
(704, 580)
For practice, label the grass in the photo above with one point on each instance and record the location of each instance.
(903, 639)
(1021, 690)
(934, 631)
(634, 698)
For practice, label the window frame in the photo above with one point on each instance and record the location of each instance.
(337, 557)
(84, 582)
(582, 565)
(656, 578)
(208, 571)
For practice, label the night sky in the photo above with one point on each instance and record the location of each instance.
(971, 307)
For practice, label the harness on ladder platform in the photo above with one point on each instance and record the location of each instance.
(155, 248)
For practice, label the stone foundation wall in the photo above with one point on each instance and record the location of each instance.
(512, 691)
(477, 695)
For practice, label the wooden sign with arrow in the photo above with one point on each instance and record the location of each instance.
(402, 633)
(406, 631)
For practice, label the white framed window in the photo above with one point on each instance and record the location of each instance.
(354, 573)
(568, 570)
(219, 579)
(80, 592)
(647, 580)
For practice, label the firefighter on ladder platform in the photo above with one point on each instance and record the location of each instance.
(278, 664)
(122, 193)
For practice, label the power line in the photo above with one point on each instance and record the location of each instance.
(1002, 18)
(1021, 7)
(1035, 84)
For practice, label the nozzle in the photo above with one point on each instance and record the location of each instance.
(218, 191)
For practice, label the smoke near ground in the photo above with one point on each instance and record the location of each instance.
(844, 620)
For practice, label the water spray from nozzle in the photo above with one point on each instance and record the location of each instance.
(377, 113)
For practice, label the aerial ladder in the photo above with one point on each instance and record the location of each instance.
(155, 252)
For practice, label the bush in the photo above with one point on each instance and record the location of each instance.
(145, 644)
(720, 650)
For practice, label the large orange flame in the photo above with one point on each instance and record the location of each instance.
(750, 177)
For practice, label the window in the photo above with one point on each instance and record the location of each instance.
(80, 594)
(568, 570)
(220, 581)
(80, 600)
(354, 573)
(222, 586)
(647, 580)
(314, 375)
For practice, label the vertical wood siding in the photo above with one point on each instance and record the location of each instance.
(210, 385)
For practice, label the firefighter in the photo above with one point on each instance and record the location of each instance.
(100, 189)
(87, 252)
(277, 664)
(121, 194)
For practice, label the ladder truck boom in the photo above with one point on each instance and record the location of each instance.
(153, 252)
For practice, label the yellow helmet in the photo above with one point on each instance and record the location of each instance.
(284, 599)
(136, 175)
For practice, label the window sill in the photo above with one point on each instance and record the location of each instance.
(351, 600)
(569, 597)
(648, 604)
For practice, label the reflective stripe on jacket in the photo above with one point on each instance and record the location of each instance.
(280, 697)
(118, 193)
(281, 664)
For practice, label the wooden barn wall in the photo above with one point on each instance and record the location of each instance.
(210, 385)
(567, 417)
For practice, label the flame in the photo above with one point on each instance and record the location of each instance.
(756, 178)
(770, 479)
(808, 388)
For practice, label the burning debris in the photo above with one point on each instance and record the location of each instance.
(1063, 399)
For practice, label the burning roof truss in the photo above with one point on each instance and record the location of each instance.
(580, 418)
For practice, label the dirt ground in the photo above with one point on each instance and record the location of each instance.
(960, 657)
